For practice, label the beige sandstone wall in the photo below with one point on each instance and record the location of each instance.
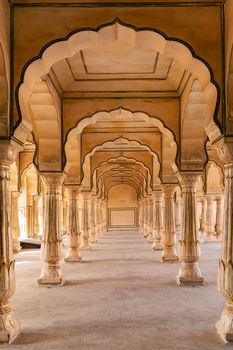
(122, 207)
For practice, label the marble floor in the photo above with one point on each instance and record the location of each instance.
(120, 297)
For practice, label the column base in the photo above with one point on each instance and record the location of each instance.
(149, 239)
(85, 246)
(72, 255)
(93, 239)
(225, 326)
(189, 274)
(169, 255)
(9, 326)
(213, 238)
(157, 245)
(145, 234)
(16, 246)
(51, 275)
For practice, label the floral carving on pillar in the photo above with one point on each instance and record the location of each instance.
(9, 326)
(73, 228)
(189, 272)
(51, 247)
(169, 231)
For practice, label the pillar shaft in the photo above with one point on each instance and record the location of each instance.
(157, 221)
(73, 229)
(203, 215)
(145, 226)
(9, 327)
(178, 214)
(150, 221)
(93, 223)
(225, 273)
(85, 222)
(189, 272)
(219, 217)
(15, 221)
(51, 240)
(169, 239)
(36, 217)
(209, 218)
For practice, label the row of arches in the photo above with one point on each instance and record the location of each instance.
(141, 147)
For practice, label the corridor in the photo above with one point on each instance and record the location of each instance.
(119, 297)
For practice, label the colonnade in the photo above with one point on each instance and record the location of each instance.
(86, 222)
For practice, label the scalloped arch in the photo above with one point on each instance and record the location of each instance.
(107, 35)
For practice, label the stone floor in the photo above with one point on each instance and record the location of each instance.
(119, 297)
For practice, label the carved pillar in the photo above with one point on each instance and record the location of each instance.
(209, 219)
(189, 272)
(225, 272)
(97, 216)
(178, 210)
(157, 221)
(51, 247)
(145, 228)
(141, 219)
(15, 221)
(85, 222)
(169, 239)
(203, 215)
(150, 220)
(9, 326)
(73, 230)
(219, 217)
(93, 223)
(36, 217)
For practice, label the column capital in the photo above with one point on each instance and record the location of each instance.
(224, 148)
(158, 195)
(85, 195)
(52, 179)
(188, 178)
(169, 190)
(8, 151)
(73, 190)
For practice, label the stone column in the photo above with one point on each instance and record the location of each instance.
(209, 219)
(93, 223)
(157, 221)
(97, 216)
(140, 215)
(178, 211)
(150, 220)
(203, 215)
(219, 217)
(103, 215)
(169, 239)
(145, 228)
(15, 221)
(36, 217)
(51, 248)
(9, 326)
(225, 272)
(73, 229)
(85, 222)
(189, 272)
